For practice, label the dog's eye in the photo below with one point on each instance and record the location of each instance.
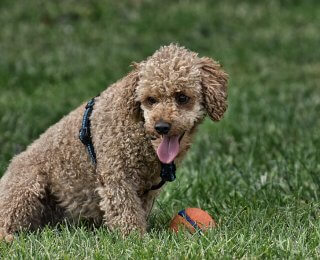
(182, 99)
(151, 100)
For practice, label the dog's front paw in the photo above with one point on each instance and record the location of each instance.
(126, 228)
(5, 236)
(133, 229)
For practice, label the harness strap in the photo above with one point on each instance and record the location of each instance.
(168, 171)
(85, 133)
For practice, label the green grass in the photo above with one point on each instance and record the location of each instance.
(257, 171)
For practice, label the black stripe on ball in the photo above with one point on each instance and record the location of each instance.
(183, 214)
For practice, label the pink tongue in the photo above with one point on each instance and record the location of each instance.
(168, 149)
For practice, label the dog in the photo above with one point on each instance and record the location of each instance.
(134, 128)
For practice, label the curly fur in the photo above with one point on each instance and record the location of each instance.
(54, 178)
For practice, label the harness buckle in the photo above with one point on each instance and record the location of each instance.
(168, 172)
(84, 135)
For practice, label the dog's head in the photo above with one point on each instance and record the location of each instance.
(174, 90)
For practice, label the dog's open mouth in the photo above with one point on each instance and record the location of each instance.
(169, 148)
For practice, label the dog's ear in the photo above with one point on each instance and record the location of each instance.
(214, 88)
(133, 105)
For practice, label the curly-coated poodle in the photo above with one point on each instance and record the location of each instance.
(137, 125)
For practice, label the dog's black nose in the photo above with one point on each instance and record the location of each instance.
(162, 127)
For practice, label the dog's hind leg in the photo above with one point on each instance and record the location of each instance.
(20, 200)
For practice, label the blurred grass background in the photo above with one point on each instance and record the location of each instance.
(256, 172)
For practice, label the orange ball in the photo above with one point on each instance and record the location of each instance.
(193, 219)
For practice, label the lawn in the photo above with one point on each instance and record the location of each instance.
(257, 171)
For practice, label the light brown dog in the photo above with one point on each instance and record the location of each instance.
(145, 118)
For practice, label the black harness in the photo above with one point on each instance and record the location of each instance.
(85, 133)
(168, 171)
